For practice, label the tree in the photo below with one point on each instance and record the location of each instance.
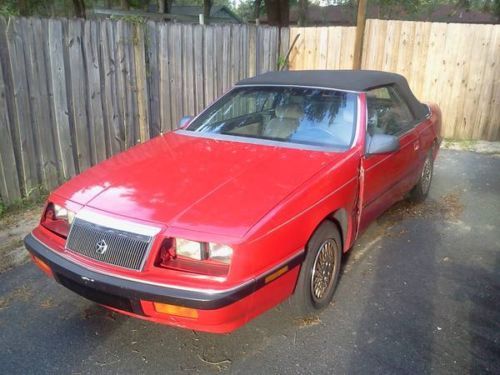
(302, 12)
(79, 6)
(256, 12)
(278, 12)
(207, 6)
(164, 6)
(24, 8)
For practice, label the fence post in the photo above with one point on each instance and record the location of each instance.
(360, 31)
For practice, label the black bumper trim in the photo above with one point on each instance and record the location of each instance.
(135, 290)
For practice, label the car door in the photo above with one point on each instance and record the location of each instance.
(387, 177)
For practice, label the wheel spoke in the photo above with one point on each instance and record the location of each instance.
(323, 267)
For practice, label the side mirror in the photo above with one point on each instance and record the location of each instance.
(184, 122)
(382, 144)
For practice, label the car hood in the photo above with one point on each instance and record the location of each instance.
(196, 183)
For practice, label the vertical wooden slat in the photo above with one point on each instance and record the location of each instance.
(322, 50)
(493, 130)
(153, 45)
(266, 49)
(121, 85)
(78, 93)
(59, 103)
(22, 127)
(226, 57)
(209, 69)
(35, 36)
(198, 57)
(252, 51)
(419, 56)
(188, 71)
(141, 81)
(490, 79)
(165, 78)
(11, 171)
(10, 189)
(91, 42)
(176, 84)
(458, 82)
(112, 124)
(131, 111)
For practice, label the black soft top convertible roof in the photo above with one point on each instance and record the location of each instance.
(350, 80)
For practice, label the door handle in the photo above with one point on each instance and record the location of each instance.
(416, 145)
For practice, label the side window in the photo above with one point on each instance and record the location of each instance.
(388, 113)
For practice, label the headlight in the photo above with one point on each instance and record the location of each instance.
(189, 249)
(193, 256)
(220, 253)
(64, 214)
(58, 219)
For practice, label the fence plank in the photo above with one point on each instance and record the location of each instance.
(9, 183)
(34, 36)
(493, 130)
(176, 86)
(198, 68)
(165, 73)
(141, 82)
(62, 133)
(209, 68)
(490, 75)
(91, 43)
(111, 113)
(78, 94)
(130, 103)
(152, 46)
(22, 127)
(188, 71)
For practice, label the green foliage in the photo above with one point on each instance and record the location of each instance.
(282, 63)
(246, 9)
(8, 9)
(36, 197)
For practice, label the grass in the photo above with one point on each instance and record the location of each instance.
(34, 200)
(467, 145)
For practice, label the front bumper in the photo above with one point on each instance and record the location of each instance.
(220, 311)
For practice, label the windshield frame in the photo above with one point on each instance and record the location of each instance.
(274, 143)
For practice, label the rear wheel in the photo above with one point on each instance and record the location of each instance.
(319, 272)
(421, 189)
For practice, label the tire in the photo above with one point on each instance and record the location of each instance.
(421, 189)
(311, 296)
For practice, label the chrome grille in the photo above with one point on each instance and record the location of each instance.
(124, 249)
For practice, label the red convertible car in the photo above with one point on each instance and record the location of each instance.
(253, 201)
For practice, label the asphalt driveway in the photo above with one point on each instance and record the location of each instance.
(419, 293)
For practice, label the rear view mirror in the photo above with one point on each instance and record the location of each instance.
(382, 144)
(184, 122)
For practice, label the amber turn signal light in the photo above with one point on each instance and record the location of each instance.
(184, 312)
(42, 265)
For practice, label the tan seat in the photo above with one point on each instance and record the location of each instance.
(286, 121)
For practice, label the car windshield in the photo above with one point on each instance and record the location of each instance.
(305, 116)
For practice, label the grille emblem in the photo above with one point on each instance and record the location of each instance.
(101, 247)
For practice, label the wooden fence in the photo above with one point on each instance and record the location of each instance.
(454, 65)
(73, 92)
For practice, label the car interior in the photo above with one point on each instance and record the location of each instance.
(324, 119)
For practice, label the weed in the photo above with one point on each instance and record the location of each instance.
(282, 62)
(35, 198)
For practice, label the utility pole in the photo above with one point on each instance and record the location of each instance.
(360, 31)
